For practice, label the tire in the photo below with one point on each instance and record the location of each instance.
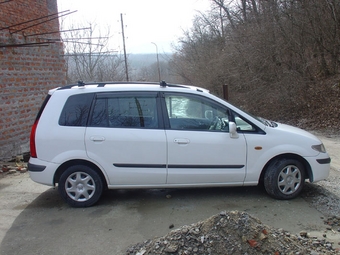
(284, 178)
(80, 186)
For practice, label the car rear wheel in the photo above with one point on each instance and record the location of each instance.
(284, 178)
(80, 186)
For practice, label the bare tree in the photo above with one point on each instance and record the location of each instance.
(89, 57)
(150, 72)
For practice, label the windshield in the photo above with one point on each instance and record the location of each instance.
(262, 120)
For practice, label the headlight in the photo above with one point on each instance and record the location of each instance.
(319, 148)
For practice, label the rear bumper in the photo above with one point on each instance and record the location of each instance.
(42, 171)
(35, 168)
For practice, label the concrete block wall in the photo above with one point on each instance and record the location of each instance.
(26, 73)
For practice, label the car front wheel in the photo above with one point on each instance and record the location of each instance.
(284, 178)
(80, 186)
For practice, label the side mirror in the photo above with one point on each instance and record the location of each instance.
(233, 130)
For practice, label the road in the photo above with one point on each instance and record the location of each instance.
(34, 220)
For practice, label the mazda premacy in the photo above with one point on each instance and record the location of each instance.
(95, 136)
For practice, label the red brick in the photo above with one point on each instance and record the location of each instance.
(25, 73)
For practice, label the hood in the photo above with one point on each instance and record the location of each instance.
(295, 131)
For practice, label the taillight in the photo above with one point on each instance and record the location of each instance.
(33, 150)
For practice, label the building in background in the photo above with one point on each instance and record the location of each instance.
(31, 63)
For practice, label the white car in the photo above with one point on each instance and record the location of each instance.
(88, 137)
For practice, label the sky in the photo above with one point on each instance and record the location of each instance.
(146, 22)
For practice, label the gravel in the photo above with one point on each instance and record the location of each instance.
(234, 233)
(325, 195)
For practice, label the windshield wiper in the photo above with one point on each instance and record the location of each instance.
(268, 122)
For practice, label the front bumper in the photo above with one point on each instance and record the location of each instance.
(320, 167)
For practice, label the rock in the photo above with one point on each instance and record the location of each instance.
(262, 236)
(22, 170)
(5, 168)
(314, 253)
(171, 248)
(141, 252)
(303, 233)
(252, 243)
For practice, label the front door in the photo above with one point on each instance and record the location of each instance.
(200, 149)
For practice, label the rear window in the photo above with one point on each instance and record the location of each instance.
(76, 110)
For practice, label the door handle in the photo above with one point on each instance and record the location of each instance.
(97, 138)
(181, 140)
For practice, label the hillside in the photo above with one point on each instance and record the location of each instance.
(312, 107)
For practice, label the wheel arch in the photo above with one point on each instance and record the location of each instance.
(309, 172)
(73, 162)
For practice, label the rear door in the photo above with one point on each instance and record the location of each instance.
(126, 137)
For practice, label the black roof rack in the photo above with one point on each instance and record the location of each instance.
(102, 84)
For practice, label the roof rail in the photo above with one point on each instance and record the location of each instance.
(82, 84)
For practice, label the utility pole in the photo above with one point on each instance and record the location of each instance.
(159, 71)
(126, 66)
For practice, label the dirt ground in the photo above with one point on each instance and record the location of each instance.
(139, 216)
(237, 232)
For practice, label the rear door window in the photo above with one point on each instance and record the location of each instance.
(126, 110)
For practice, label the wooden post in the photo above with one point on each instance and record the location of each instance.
(225, 92)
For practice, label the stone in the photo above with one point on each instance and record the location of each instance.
(303, 233)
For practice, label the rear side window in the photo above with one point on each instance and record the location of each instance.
(43, 106)
(76, 110)
(115, 111)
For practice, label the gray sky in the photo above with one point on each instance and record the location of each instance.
(146, 21)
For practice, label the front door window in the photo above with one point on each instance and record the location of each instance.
(195, 113)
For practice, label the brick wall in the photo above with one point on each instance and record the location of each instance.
(26, 73)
